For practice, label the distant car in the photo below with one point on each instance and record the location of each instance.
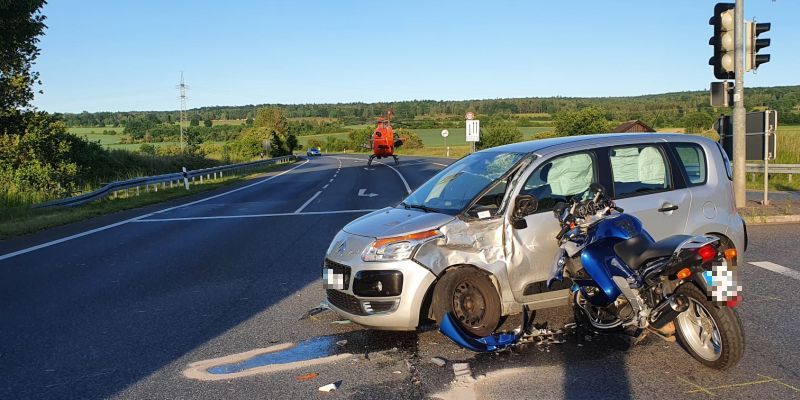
(314, 151)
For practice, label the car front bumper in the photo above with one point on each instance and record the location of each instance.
(400, 313)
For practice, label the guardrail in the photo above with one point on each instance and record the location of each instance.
(774, 168)
(111, 189)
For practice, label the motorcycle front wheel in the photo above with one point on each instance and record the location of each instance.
(712, 334)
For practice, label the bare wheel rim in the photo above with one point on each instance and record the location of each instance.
(469, 305)
(700, 331)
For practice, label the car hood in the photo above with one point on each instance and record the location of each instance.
(392, 221)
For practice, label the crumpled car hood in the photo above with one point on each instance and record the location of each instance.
(396, 222)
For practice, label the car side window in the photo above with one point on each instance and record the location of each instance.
(560, 179)
(639, 170)
(693, 161)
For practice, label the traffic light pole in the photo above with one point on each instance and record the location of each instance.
(739, 114)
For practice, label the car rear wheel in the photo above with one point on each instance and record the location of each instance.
(471, 298)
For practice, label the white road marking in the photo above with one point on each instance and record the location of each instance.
(326, 186)
(331, 180)
(254, 215)
(307, 202)
(135, 219)
(363, 193)
(440, 164)
(402, 178)
(777, 268)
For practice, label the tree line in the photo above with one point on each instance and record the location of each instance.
(657, 110)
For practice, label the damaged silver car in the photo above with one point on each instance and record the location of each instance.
(456, 245)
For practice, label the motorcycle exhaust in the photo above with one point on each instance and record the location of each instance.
(668, 310)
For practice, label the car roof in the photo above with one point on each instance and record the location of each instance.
(601, 139)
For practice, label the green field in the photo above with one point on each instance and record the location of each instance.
(94, 130)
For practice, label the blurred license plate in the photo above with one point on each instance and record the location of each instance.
(721, 282)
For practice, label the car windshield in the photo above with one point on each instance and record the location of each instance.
(452, 189)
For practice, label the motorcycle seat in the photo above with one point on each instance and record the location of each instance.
(639, 249)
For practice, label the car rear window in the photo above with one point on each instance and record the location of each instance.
(693, 161)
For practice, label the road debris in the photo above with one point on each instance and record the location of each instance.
(330, 387)
(306, 377)
(461, 369)
(342, 322)
(341, 342)
(439, 361)
(322, 307)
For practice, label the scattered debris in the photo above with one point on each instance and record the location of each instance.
(322, 307)
(341, 342)
(461, 369)
(342, 322)
(397, 372)
(330, 387)
(306, 377)
(439, 361)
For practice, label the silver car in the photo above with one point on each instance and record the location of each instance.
(450, 245)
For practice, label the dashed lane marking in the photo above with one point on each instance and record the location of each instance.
(402, 178)
(777, 268)
(135, 219)
(254, 215)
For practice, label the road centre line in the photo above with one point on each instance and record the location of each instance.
(254, 215)
(326, 186)
(402, 178)
(135, 219)
(777, 268)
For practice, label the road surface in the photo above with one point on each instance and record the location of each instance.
(120, 306)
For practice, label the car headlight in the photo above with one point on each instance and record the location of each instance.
(398, 247)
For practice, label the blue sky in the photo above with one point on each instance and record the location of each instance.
(128, 55)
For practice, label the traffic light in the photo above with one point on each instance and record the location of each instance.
(723, 41)
(753, 44)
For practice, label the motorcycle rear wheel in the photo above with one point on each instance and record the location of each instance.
(712, 334)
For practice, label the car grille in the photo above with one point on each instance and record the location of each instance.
(339, 269)
(345, 302)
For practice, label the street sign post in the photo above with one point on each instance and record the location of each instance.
(445, 133)
(760, 140)
(473, 132)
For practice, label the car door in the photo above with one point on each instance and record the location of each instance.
(534, 248)
(645, 186)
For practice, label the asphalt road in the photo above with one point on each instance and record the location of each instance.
(123, 306)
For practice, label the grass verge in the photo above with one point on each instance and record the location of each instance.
(15, 221)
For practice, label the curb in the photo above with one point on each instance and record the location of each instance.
(771, 219)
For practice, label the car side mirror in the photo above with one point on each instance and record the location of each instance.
(524, 205)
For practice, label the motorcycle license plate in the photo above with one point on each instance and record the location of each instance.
(721, 283)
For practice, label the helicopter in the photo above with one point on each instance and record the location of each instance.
(382, 141)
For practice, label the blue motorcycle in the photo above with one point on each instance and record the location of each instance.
(621, 278)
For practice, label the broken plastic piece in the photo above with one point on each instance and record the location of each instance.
(342, 322)
(439, 361)
(306, 377)
(330, 387)
(341, 342)
(322, 307)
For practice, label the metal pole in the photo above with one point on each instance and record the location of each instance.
(766, 164)
(739, 116)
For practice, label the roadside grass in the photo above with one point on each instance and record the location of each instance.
(20, 220)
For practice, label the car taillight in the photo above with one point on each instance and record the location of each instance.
(707, 253)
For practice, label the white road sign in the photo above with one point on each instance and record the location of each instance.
(473, 130)
(445, 132)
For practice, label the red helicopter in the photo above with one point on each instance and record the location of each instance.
(382, 141)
